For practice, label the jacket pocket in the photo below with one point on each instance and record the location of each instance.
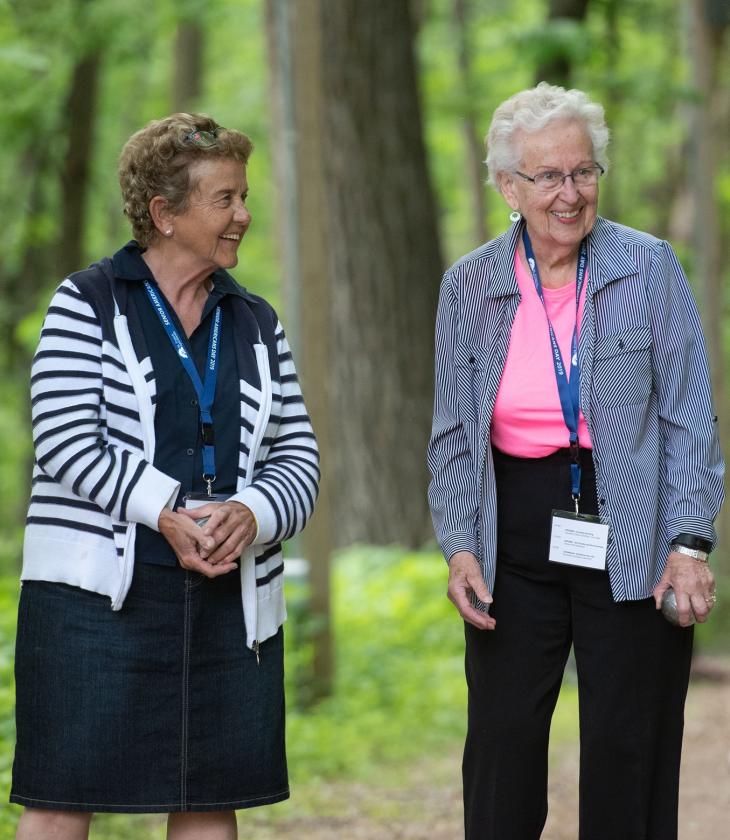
(472, 367)
(622, 367)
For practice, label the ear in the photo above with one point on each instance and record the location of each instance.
(160, 213)
(507, 188)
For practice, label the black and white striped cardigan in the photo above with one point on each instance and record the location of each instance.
(93, 401)
(644, 392)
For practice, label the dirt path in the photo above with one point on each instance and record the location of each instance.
(425, 804)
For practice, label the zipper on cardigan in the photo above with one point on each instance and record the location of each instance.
(255, 649)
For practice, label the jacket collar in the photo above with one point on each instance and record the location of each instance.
(608, 259)
(504, 282)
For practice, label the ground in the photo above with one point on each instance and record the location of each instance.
(425, 802)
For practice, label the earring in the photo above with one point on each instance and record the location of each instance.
(515, 216)
(168, 232)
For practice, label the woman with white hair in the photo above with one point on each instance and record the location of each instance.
(576, 477)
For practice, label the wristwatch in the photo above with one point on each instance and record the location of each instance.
(697, 553)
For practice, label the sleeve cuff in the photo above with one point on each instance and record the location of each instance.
(267, 526)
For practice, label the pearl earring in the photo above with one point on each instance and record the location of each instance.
(515, 216)
(168, 232)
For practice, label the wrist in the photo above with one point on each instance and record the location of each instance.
(695, 553)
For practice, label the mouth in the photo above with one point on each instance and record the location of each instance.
(566, 215)
(234, 237)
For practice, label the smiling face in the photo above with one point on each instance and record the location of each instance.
(557, 220)
(208, 232)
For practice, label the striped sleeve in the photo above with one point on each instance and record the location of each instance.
(286, 483)
(452, 493)
(694, 466)
(68, 412)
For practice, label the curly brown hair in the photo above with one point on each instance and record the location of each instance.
(156, 160)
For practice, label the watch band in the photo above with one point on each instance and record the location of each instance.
(692, 541)
(696, 553)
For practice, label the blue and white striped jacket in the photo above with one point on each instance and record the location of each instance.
(93, 393)
(645, 394)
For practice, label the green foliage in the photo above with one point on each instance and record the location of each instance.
(399, 687)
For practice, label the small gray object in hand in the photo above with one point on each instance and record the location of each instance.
(669, 608)
(202, 521)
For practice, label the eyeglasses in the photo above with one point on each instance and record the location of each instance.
(584, 176)
(204, 139)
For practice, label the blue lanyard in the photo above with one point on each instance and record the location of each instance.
(568, 386)
(206, 389)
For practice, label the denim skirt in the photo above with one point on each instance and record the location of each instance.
(159, 707)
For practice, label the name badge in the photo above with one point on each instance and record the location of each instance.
(578, 539)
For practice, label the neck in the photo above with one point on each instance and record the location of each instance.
(182, 285)
(186, 289)
(557, 264)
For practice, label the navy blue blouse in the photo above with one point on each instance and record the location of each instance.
(178, 441)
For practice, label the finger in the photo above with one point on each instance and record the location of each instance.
(460, 599)
(230, 544)
(659, 591)
(476, 582)
(700, 607)
(684, 608)
(196, 564)
(480, 620)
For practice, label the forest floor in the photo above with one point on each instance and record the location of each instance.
(424, 803)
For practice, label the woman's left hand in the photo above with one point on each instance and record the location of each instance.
(231, 525)
(693, 584)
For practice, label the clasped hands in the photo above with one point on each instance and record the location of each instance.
(215, 548)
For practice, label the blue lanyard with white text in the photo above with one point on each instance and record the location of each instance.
(568, 388)
(206, 389)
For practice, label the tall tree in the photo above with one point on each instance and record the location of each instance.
(382, 261)
(296, 85)
(362, 265)
(474, 148)
(710, 22)
(79, 117)
(187, 83)
(557, 61)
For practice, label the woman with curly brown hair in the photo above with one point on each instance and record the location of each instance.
(173, 455)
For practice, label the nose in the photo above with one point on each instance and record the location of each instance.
(242, 214)
(568, 190)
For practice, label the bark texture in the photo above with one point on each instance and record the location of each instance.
(384, 264)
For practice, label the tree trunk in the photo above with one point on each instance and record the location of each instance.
(556, 68)
(187, 84)
(294, 49)
(384, 264)
(80, 110)
(475, 152)
(381, 257)
(707, 37)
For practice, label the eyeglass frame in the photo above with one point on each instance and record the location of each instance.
(209, 138)
(563, 175)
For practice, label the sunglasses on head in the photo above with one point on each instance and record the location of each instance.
(204, 139)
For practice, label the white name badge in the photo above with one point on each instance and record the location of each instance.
(578, 539)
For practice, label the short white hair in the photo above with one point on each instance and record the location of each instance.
(530, 111)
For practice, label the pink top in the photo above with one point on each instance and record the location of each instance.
(528, 421)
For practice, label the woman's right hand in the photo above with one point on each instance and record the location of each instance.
(465, 577)
(187, 539)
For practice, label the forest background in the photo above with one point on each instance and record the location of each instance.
(366, 182)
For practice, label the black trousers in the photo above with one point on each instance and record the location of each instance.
(633, 672)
